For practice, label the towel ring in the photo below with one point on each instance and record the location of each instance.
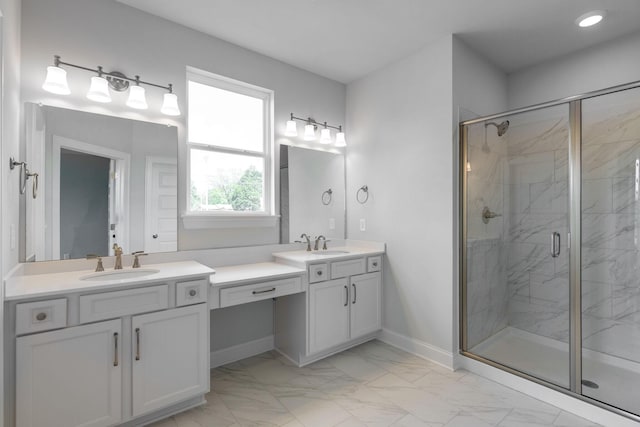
(23, 173)
(327, 196)
(364, 189)
(34, 186)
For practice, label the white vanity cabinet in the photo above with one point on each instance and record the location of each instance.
(170, 357)
(343, 309)
(107, 354)
(70, 377)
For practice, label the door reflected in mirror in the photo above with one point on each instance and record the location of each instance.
(102, 181)
(312, 193)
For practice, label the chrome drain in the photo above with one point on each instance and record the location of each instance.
(590, 384)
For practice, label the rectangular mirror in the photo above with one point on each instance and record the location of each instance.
(101, 180)
(312, 193)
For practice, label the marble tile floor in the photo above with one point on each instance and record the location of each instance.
(373, 384)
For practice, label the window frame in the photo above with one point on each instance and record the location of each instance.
(225, 219)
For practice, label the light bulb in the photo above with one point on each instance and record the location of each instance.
(590, 18)
(309, 132)
(292, 129)
(340, 140)
(137, 98)
(56, 81)
(325, 136)
(170, 105)
(99, 90)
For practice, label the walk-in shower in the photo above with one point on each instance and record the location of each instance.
(550, 245)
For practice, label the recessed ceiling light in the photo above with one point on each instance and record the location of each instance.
(590, 18)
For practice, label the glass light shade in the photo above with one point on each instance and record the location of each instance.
(325, 136)
(170, 105)
(292, 129)
(99, 90)
(56, 81)
(137, 98)
(309, 132)
(590, 18)
(340, 140)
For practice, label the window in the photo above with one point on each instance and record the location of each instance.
(230, 146)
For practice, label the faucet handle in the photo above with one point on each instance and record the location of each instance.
(136, 261)
(99, 267)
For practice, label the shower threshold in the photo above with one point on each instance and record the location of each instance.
(608, 379)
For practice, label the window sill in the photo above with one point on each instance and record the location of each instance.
(202, 221)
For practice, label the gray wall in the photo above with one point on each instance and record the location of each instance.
(159, 51)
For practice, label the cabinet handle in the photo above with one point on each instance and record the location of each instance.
(41, 316)
(137, 343)
(346, 296)
(375, 264)
(354, 293)
(192, 293)
(319, 273)
(115, 349)
(264, 291)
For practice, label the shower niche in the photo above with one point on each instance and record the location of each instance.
(550, 221)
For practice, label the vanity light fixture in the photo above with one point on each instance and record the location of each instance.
(310, 131)
(590, 18)
(56, 82)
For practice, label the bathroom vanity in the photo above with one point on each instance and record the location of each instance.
(121, 347)
(127, 347)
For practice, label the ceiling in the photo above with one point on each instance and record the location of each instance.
(347, 39)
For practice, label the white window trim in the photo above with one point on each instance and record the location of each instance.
(267, 218)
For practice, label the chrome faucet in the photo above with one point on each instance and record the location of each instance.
(324, 246)
(99, 267)
(118, 253)
(136, 261)
(304, 235)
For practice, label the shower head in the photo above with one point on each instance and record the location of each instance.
(502, 127)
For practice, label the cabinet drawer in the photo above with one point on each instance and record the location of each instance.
(191, 292)
(346, 268)
(374, 263)
(318, 273)
(109, 305)
(41, 316)
(259, 291)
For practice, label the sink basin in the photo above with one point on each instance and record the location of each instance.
(330, 252)
(120, 274)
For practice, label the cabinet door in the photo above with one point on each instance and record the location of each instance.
(328, 314)
(70, 377)
(170, 357)
(366, 310)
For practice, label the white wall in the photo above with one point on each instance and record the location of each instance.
(10, 116)
(403, 145)
(609, 64)
(107, 33)
(400, 146)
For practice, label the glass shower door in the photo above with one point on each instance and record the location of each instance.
(515, 226)
(611, 249)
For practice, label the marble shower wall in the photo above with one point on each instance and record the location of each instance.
(611, 224)
(536, 204)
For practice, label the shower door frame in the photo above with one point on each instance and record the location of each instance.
(574, 243)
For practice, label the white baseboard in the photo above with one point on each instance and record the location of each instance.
(419, 348)
(240, 351)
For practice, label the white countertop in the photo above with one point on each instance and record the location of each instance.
(235, 274)
(302, 258)
(40, 285)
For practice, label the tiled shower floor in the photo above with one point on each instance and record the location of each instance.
(373, 384)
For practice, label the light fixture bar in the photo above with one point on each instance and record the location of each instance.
(116, 75)
(313, 122)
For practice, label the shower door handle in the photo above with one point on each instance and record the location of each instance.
(555, 244)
